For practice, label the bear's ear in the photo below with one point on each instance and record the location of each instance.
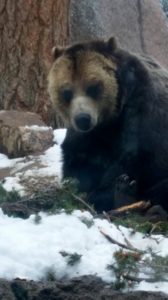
(112, 44)
(57, 51)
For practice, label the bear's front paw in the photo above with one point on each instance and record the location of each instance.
(125, 185)
(125, 190)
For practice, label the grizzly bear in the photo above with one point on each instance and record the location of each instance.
(115, 106)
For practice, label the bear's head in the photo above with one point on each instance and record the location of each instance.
(90, 82)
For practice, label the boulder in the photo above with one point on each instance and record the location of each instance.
(141, 26)
(23, 133)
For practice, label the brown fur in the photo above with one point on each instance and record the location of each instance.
(89, 67)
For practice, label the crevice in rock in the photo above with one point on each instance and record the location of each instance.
(140, 22)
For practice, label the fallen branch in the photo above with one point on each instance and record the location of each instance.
(139, 206)
(113, 241)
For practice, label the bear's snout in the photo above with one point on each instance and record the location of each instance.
(83, 122)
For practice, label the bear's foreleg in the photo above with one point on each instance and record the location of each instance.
(114, 191)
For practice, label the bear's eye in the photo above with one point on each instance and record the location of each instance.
(94, 90)
(66, 94)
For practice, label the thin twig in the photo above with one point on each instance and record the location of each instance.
(110, 239)
(126, 240)
(84, 203)
(106, 216)
(139, 279)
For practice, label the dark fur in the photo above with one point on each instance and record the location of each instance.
(135, 142)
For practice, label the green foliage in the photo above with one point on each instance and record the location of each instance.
(72, 258)
(126, 265)
(50, 199)
(129, 265)
(158, 267)
(160, 228)
(65, 197)
(50, 274)
(134, 222)
(37, 219)
(141, 224)
(88, 222)
(5, 196)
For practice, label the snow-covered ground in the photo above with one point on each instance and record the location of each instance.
(28, 249)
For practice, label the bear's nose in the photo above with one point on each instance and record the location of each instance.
(83, 121)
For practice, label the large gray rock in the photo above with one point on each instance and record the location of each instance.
(140, 25)
(23, 133)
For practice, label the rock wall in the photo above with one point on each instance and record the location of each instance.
(140, 25)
